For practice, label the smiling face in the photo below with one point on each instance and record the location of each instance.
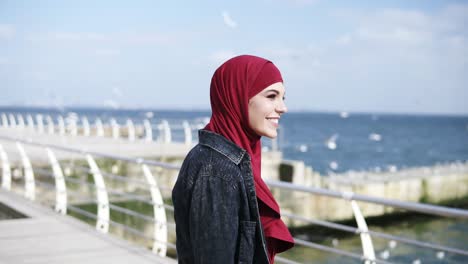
(265, 110)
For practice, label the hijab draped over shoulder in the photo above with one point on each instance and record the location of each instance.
(232, 85)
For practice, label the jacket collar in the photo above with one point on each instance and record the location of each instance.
(221, 145)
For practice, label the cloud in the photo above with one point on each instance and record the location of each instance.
(80, 36)
(395, 26)
(7, 31)
(219, 57)
(299, 60)
(399, 60)
(111, 104)
(228, 20)
(388, 27)
(92, 38)
(147, 39)
(117, 92)
(344, 39)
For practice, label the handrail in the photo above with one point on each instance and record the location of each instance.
(334, 250)
(412, 206)
(355, 230)
(96, 154)
(132, 230)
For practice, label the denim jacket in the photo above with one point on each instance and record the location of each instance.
(215, 205)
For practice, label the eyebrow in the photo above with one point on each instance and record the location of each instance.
(275, 91)
(272, 90)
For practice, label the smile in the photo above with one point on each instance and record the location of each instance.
(274, 120)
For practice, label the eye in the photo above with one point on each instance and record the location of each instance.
(271, 96)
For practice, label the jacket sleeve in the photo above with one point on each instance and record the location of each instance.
(214, 220)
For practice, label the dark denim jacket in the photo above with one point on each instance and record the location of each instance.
(215, 206)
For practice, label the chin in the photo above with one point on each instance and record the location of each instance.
(271, 135)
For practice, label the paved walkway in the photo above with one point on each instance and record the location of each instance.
(47, 237)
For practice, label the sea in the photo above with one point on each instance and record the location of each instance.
(339, 142)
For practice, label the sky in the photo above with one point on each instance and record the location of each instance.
(356, 56)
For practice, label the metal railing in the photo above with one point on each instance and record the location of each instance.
(70, 189)
(161, 131)
(179, 131)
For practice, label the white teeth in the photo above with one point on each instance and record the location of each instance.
(274, 120)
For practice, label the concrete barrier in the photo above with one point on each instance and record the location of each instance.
(440, 185)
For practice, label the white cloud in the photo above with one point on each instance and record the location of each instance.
(147, 39)
(7, 31)
(117, 92)
(219, 57)
(228, 20)
(344, 39)
(298, 60)
(398, 60)
(80, 36)
(111, 104)
(91, 38)
(393, 26)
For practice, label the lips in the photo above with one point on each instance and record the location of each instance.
(274, 120)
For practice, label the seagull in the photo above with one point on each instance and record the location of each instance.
(331, 142)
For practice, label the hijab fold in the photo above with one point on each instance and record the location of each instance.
(232, 86)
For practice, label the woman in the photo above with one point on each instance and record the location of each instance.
(224, 211)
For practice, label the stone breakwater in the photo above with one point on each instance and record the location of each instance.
(440, 184)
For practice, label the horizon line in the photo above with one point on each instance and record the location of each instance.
(187, 109)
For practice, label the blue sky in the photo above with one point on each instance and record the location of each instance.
(357, 56)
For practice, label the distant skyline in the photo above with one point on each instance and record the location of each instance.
(356, 56)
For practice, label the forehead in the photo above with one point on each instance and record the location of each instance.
(276, 87)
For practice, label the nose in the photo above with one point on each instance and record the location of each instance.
(281, 107)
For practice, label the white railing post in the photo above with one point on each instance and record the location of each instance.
(12, 120)
(30, 121)
(115, 128)
(165, 132)
(366, 241)
(50, 125)
(6, 170)
(130, 130)
(20, 121)
(102, 223)
(60, 187)
(61, 125)
(99, 127)
(274, 144)
(40, 123)
(29, 183)
(71, 125)
(86, 128)
(4, 120)
(187, 133)
(160, 223)
(148, 130)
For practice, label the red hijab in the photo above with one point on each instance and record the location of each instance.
(232, 85)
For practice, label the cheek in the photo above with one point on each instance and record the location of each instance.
(255, 115)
